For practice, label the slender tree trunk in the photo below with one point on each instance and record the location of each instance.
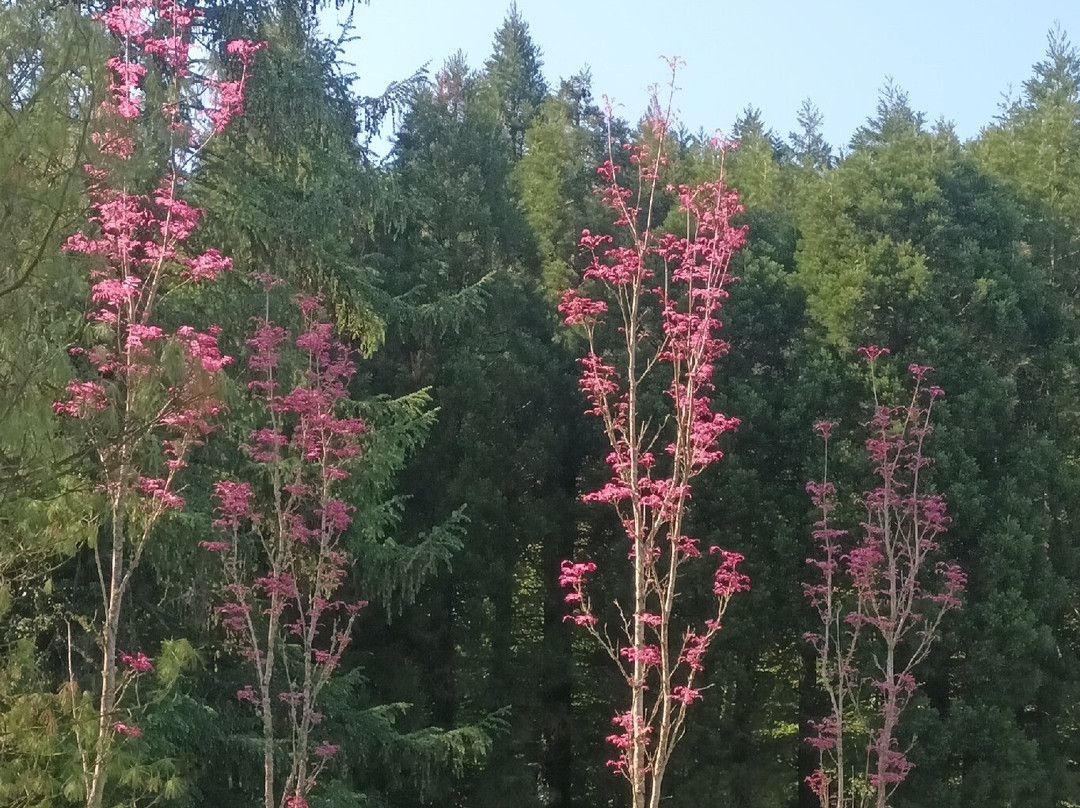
(107, 705)
(266, 675)
(842, 697)
(889, 714)
(637, 707)
(268, 750)
(657, 785)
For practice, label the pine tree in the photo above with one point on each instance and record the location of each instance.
(512, 73)
(809, 145)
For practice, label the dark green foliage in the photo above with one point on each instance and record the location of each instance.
(468, 320)
(907, 244)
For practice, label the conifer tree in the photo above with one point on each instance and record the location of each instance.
(809, 144)
(512, 73)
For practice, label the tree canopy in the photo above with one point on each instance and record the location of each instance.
(424, 288)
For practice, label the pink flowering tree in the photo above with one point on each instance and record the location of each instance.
(664, 292)
(881, 599)
(145, 395)
(280, 546)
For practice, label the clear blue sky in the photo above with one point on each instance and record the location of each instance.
(955, 58)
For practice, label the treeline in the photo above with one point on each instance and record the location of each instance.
(464, 685)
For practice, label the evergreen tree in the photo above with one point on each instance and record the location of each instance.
(552, 180)
(907, 244)
(1034, 147)
(470, 321)
(808, 144)
(512, 74)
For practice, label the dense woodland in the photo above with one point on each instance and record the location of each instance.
(443, 264)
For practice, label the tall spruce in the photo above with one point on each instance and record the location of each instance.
(512, 73)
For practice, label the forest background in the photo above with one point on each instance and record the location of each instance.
(443, 264)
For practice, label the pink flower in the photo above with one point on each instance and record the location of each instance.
(138, 335)
(577, 309)
(173, 50)
(819, 783)
(234, 502)
(573, 574)
(591, 242)
(872, 352)
(244, 48)
(694, 648)
(266, 342)
(728, 580)
(646, 654)
(126, 19)
(610, 492)
(115, 292)
(126, 729)
(86, 397)
(203, 347)
(234, 616)
(277, 584)
(206, 266)
(336, 513)
(307, 304)
(139, 662)
(581, 619)
(685, 695)
(825, 734)
(159, 489)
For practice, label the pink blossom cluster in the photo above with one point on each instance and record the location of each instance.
(137, 662)
(228, 95)
(572, 577)
(290, 525)
(879, 596)
(665, 293)
(825, 734)
(234, 503)
(131, 731)
(135, 246)
(134, 23)
(136, 243)
(727, 580)
(631, 732)
(83, 399)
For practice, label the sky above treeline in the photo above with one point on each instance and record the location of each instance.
(955, 58)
